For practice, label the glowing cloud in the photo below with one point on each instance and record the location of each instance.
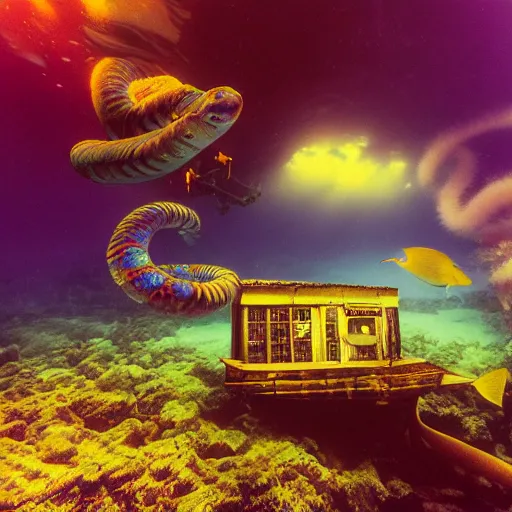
(337, 171)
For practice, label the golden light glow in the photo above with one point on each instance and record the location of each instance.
(97, 9)
(331, 172)
(149, 15)
(44, 7)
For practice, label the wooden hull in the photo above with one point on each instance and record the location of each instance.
(377, 381)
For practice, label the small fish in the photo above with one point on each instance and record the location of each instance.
(431, 266)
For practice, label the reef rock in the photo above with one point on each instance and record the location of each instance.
(8, 354)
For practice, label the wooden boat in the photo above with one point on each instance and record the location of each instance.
(302, 340)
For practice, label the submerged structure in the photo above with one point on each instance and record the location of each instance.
(303, 339)
(294, 339)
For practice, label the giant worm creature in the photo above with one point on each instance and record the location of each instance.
(179, 289)
(155, 124)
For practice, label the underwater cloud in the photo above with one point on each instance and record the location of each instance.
(334, 171)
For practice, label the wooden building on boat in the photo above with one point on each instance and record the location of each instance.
(302, 339)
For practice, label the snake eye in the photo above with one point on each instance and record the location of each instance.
(189, 135)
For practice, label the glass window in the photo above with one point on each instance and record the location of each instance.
(256, 314)
(362, 338)
(394, 344)
(364, 325)
(302, 335)
(332, 338)
(257, 337)
(280, 343)
(284, 326)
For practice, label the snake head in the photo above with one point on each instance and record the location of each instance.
(222, 107)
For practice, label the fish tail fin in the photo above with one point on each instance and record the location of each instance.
(190, 237)
(492, 385)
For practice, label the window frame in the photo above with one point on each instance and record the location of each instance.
(290, 323)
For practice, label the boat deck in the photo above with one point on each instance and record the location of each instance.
(372, 380)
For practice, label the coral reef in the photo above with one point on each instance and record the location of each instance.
(99, 417)
(482, 300)
(469, 358)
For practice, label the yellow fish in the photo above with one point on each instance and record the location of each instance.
(431, 266)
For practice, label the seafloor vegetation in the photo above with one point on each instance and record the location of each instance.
(125, 410)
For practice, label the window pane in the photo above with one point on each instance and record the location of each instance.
(257, 352)
(365, 353)
(256, 314)
(280, 343)
(330, 331)
(279, 314)
(393, 333)
(302, 349)
(302, 335)
(331, 334)
(302, 314)
(361, 326)
(257, 330)
(362, 339)
(330, 314)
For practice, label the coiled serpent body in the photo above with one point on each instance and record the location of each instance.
(155, 124)
(180, 289)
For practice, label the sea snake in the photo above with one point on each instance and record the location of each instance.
(485, 217)
(156, 124)
(189, 290)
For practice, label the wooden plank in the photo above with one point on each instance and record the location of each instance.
(250, 367)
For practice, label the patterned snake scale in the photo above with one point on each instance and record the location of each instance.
(188, 290)
(156, 124)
